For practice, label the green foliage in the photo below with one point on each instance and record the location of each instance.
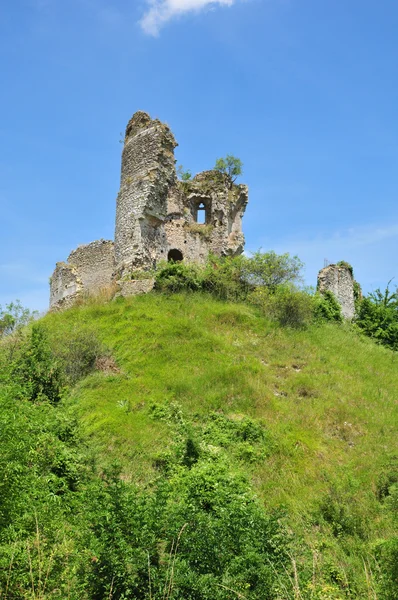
(387, 556)
(387, 551)
(177, 276)
(285, 304)
(77, 353)
(224, 278)
(230, 166)
(232, 278)
(341, 513)
(377, 317)
(184, 175)
(41, 468)
(327, 308)
(357, 291)
(269, 269)
(346, 265)
(34, 368)
(225, 539)
(14, 316)
(217, 419)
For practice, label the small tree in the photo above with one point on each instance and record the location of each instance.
(230, 166)
(270, 269)
(13, 316)
(184, 175)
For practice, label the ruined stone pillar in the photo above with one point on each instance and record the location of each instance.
(148, 172)
(339, 280)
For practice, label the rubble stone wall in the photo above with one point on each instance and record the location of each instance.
(339, 280)
(65, 286)
(95, 264)
(148, 171)
(89, 269)
(224, 205)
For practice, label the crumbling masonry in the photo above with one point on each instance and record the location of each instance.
(158, 218)
(339, 280)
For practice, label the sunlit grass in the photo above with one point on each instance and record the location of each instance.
(327, 397)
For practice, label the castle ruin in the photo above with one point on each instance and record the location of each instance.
(158, 218)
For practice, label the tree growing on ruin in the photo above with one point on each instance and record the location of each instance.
(231, 166)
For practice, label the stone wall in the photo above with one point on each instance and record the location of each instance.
(223, 205)
(339, 280)
(65, 286)
(89, 269)
(148, 171)
(95, 264)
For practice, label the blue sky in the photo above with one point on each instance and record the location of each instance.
(305, 92)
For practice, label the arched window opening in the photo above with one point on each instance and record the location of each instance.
(201, 214)
(175, 255)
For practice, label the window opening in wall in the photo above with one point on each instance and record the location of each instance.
(201, 214)
(175, 255)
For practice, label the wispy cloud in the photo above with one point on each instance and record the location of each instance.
(161, 11)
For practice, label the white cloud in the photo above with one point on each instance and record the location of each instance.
(161, 11)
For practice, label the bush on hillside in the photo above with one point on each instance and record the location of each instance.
(287, 305)
(387, 552)
(230, 277)
(34, 369)
(377, 317)
(77, 351)
(327, 308)
(178, 276)
(200, 534)
(225, 278)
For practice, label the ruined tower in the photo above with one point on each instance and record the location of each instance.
(339, 280)
(148, 171)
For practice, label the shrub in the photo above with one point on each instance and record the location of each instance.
(287, 305)
(224, 278)
(225, 538)
(346, 265)
(341, 513)
(179, 276)
(35, 369)
(378, 317)
(78, 352)
(327, 308)
(387, 557)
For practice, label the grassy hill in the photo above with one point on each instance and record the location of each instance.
(325, 399)
(307, 418)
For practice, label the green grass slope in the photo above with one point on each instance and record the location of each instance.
(309, 416)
